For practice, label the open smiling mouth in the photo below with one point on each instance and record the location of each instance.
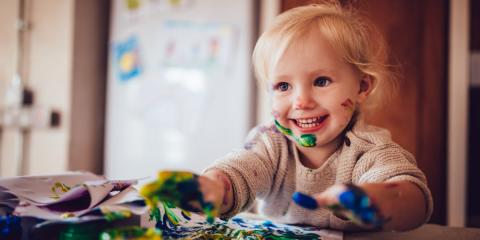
(310, 123)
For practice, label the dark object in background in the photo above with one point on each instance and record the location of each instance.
(473, 195)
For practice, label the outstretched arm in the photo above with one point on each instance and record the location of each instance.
(217, 188)
(400, 205)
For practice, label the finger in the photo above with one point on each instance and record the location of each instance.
(330, 197)
(305, 200)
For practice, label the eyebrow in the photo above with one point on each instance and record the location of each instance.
(312, 74)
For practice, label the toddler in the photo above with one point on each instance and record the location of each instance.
(323, 66)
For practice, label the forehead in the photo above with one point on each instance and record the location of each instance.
(309, 52)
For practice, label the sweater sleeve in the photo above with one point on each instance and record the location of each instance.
(250, 169)
(389, 163)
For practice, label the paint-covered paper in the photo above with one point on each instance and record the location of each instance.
(177, 224)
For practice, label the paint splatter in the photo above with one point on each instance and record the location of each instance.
(269, 130)
(305, 140)
(132, 232)
(249, 145)
(304, 200)
(176, 188)
(66, 215)
(391, 185)
(10, 227)
(275, 114)
(348, 104)
(393, 190)
(236, 228)
(115, 215)
(62, 187)
(361, 209)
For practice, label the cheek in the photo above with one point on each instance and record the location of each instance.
(348, 105)
(279, 108)
(275, 114)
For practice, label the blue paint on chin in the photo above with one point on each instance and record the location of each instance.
(304, 200)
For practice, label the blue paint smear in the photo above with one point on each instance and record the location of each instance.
(304, 200)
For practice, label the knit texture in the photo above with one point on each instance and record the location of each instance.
(268, 169)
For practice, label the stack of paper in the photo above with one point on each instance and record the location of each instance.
(56, 197)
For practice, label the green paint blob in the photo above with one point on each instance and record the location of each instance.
(131, 232)
(177, 188)
(111, 216)
(305, 140)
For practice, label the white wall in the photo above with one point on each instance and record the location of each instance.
(8, 44)
(269, 10)
(48, 62)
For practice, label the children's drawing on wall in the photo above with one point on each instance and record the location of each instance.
(179, 82)
(205, 46)
(137, 9)
(133, 4)
(127, 59)
(171, 4)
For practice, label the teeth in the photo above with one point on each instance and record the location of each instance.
(308, 125)
(309, 122)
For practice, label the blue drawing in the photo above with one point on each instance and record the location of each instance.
(127, 59)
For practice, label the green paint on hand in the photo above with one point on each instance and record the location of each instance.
(176, 188)
(305, 140)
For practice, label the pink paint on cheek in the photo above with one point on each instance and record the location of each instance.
(348, 104)
(275, 114)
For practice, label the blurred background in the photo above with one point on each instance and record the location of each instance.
(126, 87)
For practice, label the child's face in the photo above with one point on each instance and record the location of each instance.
(314, 91)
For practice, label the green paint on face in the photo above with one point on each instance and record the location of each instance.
(176, 188)
(305, 140)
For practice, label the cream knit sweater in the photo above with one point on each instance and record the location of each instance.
(269, 169)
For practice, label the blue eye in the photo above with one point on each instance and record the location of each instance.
(282, 86)
(322, 81)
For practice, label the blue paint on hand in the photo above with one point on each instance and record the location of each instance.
(357, 201)
(304, 200)
(347, 199)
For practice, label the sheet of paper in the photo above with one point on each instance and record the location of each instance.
(71, 194)
(45, 189)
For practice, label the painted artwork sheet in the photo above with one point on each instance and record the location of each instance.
(175, 223)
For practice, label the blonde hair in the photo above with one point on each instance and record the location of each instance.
(349, 34)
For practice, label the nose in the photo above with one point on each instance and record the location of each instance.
(304, 100)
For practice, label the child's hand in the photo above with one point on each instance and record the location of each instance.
(346, 201)
(212, 191)
(351, 202)
(185, 190)
(216, 187)
(396, 206)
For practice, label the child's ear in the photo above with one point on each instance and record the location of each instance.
(366, 86)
